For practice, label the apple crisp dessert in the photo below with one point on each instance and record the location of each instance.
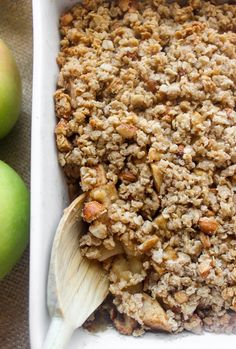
(147, 128)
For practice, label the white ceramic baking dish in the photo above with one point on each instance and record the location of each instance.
(49, 197)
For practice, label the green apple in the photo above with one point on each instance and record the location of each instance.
(14, 218)
(10, 90)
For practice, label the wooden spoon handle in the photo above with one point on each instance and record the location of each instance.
(59, 334)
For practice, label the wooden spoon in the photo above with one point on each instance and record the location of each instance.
(76, 285)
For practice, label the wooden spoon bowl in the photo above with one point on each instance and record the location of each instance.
(76, 285)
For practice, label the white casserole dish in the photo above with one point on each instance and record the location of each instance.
(49, 197)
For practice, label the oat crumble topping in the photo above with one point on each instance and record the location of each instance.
(147, 127)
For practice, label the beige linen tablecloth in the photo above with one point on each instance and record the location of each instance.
(16, 30)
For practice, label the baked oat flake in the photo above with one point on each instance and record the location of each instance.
(147, 127)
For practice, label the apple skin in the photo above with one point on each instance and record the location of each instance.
(14, 218)
(10, 90)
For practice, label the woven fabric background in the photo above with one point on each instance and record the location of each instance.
(16, 31)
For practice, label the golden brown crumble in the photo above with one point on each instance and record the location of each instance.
(147, 127)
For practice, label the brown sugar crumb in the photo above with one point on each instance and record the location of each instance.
(146, 127)
(208, 225)
(92, 210)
